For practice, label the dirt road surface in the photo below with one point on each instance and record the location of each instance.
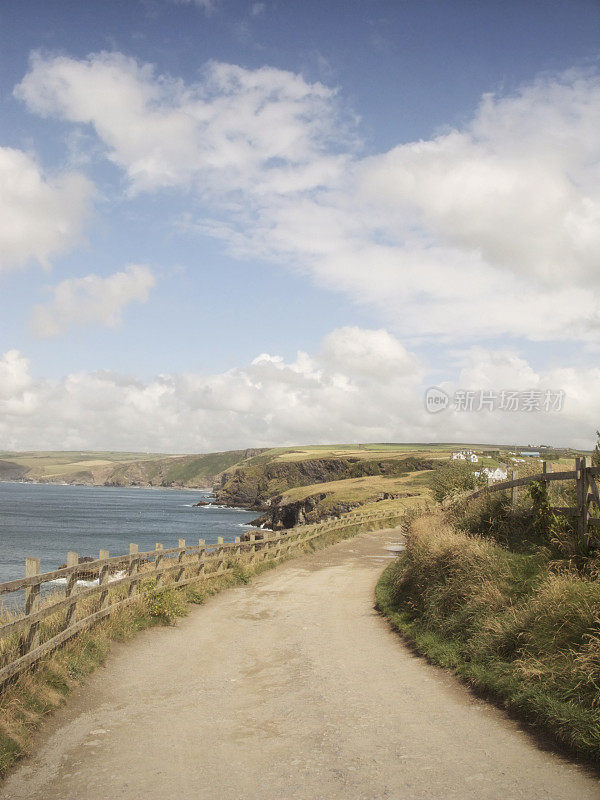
(289, 688)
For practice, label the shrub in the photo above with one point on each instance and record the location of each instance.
(164, 603)
(507, 622)
(492, 516)
(452, 477)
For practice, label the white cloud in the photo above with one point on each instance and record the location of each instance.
(330, 395)
(506, 370)
(375, 354)
(481, 368)
(265, 402)
(257, 9)
(237, 128)
(41, 215)
(484, 231)
(14, 375)
(92, 299)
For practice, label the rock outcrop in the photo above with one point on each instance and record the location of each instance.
(257, 484)
(282, 515)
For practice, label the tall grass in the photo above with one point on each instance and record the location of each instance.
(510, 623)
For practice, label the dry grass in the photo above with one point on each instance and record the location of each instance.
(507, 622)
(363, 491)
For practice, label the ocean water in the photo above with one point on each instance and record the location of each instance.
(45, 521)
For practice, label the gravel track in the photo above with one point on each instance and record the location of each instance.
(291, 687)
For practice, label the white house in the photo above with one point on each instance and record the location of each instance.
(465, 455)
(494, 475)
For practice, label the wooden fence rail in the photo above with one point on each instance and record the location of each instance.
(121, 579)
(587, 492)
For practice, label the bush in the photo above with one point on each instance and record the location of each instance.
(452, 477)
(528, 526)
(504, 621)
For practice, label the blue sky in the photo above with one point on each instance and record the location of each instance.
(232, 224)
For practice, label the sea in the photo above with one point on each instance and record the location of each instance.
(46, 520)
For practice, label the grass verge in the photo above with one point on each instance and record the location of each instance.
(506, 622)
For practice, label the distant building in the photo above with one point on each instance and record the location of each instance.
(530, 453)
(494, 475)
(464, 455)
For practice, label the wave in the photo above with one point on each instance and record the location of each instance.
(63, 582)
(95, 582)
(222, 508)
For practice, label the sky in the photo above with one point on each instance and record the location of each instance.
(233, 224)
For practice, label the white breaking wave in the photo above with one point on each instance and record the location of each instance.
(226, 508)
(95, 582)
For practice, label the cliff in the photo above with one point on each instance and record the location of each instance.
(252, 485)
(284, 513)
(291, 492)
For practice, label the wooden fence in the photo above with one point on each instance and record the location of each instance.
(586, 492)
(121, 579)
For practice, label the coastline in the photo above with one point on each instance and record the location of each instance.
(110, 485)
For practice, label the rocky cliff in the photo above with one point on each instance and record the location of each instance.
(261, 483)
(314, 508)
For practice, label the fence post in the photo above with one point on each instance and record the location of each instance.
(252, 547)
(180, 558)
(546, 468)
(514, 492)
(201, 550)
(582, 508)
(593, 494)
(133, 569)
(157, 563)
(103, 578)
(219, 553)
(71, 589)
(31, 639)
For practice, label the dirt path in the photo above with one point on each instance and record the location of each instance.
(290, 687)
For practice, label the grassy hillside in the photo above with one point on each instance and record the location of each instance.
(184, 471)
(317, 501)
(63, 465)
(118, 469)
(304, 484)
